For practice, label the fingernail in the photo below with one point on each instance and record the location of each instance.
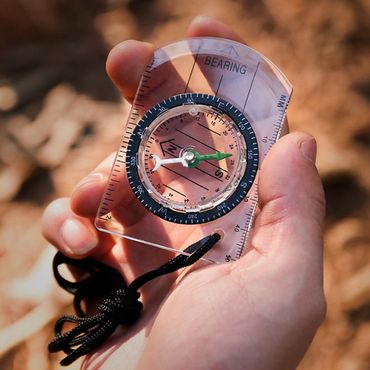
(200, 18)
(308, 149)
(78, 238)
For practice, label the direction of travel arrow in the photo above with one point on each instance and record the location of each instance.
(231, 51)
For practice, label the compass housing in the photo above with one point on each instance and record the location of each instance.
(216, 202)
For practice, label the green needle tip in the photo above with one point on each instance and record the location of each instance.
(218, 156)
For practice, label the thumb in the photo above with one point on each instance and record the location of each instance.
(292, 204)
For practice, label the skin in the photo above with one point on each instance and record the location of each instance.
(260, 312)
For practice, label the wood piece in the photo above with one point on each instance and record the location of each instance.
(37, 352)
(38, 284)
(32, 84)
(16, 168)
(31, 135)
(358, 355)
(28, 325)
(59, 125)
(49, 299)
(355, 292)
(8, 97)
(65, 132)
(116, 26)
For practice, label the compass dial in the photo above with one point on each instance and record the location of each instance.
(192, 158)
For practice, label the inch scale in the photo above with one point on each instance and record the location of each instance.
(206, 112)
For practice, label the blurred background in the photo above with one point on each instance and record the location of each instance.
(60, 115)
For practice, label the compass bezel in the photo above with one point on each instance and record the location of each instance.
(222, 208)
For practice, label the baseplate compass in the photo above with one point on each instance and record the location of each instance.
(206, 112)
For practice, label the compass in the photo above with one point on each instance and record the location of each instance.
(206, 112)
(192, 158)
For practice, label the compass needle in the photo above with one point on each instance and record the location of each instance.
(193, 157)
(157, 162)
(160, 162)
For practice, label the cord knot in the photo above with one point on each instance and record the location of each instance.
(123, 306)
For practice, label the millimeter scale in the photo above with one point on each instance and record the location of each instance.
(206, 112)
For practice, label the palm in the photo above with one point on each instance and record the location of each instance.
(217, 302)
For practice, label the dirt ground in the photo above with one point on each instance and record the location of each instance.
(60, 115)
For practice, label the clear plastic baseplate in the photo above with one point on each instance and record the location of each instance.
(194, 68)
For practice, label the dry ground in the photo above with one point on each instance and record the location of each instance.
(60, 115)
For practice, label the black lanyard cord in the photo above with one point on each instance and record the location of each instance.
(118, 302)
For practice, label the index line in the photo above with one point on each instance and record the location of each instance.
(250, 87)
(192, 69)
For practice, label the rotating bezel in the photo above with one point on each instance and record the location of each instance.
(245, 182)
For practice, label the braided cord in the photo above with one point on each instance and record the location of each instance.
(118, 302)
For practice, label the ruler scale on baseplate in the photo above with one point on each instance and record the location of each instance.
(206, 112)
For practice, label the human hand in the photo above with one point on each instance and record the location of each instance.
(260, 312)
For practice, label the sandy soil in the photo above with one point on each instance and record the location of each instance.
(60, 115)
